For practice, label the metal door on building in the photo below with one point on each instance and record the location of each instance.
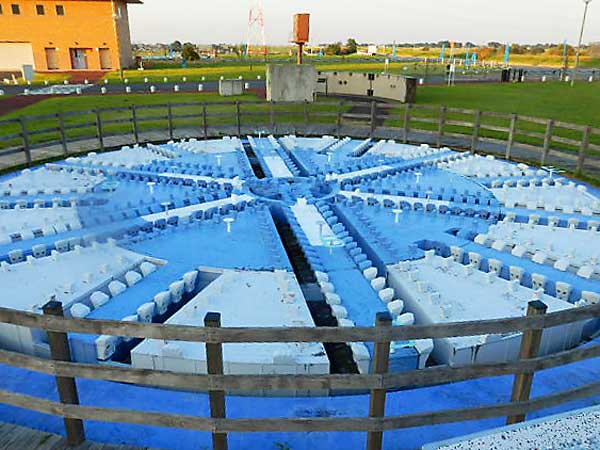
(105, 59)
(79, 58)
(52, 59)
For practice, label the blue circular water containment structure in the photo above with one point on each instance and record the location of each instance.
(295, 232)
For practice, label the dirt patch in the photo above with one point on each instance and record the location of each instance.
(17, 102)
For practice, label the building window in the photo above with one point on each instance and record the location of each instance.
(40, 10)
(0, 8)
(60, 10)
(16, 9)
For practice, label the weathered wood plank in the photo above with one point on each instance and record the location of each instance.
(67, 388)
(296, 334)
(530, 347)
(295, 424)
(425, 377)
(17, 437)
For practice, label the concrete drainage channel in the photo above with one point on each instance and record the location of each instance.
(340, 355)
(256, 167)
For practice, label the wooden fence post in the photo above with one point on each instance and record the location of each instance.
(373, 118)
(547, 141)
(134, 124)
(170, 120)
(61, 129)
(67, 388)
(99, 130)
(339, 119)
(238, 118)
(511, 135)
(272, 116)
(585, 144)
(476, 130)
(407, 118)
(214, 363)
(25, 136)
(204, 121)
(306, 118)
(530, 347)
(441, 126)
(381, 363)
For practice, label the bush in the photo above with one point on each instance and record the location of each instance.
(189, 53)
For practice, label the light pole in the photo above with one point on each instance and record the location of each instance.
(587, 3)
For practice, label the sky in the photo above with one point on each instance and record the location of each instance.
(374, 21)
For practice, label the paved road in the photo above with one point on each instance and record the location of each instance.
(120, 88)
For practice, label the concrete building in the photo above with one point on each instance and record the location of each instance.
(386, 86)
(65, 35)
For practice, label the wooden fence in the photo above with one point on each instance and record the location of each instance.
(218, 384)
(28, 140)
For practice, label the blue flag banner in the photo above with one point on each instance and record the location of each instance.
(507, 54)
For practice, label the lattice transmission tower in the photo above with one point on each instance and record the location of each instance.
(257, 43)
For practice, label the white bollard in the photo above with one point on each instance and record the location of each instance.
(184, 79)
(128, 89)
(103, 90)
(26, 92)
(200, 87)
(241, 77)
(152, 89)
(1, 92)
(66, 82)
(258, 77)
(176, 88)
(165, 79)
(222, 77)
(203, 78)
(86, 81)
(246, 86)
(421, 81)
(591, 79)
(78, 91)
(46, 83)
(544, 79)
(146, 80)
(126, 81)
(105, 81)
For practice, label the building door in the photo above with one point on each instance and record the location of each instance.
(52, 59)
(105, 59)
(79, 58)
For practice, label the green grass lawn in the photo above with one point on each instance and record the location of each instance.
(80, 119)
(85, 102)
(580, 104)
(212, 71)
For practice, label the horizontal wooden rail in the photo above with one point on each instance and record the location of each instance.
(296, 334)
(257, 425)
(425, 377)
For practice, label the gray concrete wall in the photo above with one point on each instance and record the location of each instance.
(291, 83)
(388, 86)
(231, 87)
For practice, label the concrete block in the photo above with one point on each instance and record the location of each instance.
(291, 83)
